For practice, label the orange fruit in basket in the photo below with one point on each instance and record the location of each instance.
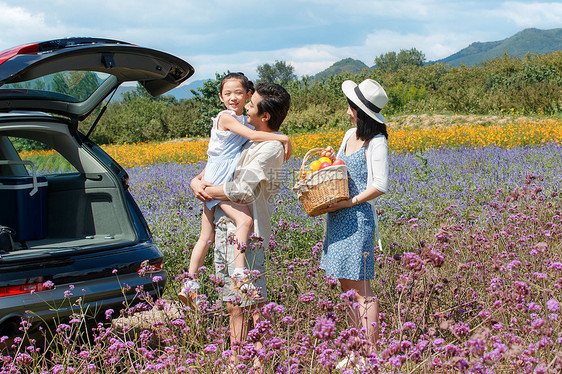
(325, 159)
(315, 165)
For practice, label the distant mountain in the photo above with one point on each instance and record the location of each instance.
(184, 91)
(527, 41)
(347, 64)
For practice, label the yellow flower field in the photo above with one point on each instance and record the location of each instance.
(520, 132)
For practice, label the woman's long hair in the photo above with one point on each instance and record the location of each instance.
(367, 127)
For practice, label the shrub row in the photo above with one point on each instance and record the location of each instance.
(530, 85)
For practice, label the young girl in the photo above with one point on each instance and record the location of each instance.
(229, 133)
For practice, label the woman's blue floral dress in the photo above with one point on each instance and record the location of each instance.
(350, 233)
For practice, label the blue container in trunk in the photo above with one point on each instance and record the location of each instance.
(23, 206)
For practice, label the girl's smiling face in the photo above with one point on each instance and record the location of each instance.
(234, 95)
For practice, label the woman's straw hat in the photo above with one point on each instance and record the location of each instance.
(368, 95)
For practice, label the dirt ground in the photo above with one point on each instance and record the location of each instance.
(420, 121)
(150, 319)
(445, 120)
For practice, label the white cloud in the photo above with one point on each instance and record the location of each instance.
(15, 20)
(15, 15)
(307, 60)
(312, 52)
(540, 15)
(434, 46)
(220, 35)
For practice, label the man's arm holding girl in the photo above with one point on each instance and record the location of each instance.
(228, 122)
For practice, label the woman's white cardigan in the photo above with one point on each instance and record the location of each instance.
(377, 167)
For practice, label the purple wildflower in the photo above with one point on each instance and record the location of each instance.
(307, 297)
(210, 348)
(534, 307)
(438, 342)
(553, 305)
(461, 329)
(537, 323)
(409, 325)
(156, 279)
(324, 328)
(48, 284)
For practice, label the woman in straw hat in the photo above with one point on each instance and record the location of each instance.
(348, 252)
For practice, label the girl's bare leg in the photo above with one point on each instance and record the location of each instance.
(188, 293)
(206, 238)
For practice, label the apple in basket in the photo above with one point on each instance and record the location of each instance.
(324, 165)
(338, 161)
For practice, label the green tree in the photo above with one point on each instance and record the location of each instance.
(280, 72)
(78, 84)
(208, 103)
(141, 92)
(138, 92)
(387, 62)
(392, 61)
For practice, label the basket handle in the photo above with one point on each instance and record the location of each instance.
(307, 156)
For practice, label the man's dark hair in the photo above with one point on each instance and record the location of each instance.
(275, 101)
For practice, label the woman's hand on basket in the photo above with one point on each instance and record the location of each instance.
(328, 152)
(337, 206)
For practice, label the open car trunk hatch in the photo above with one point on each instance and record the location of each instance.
(72, 76)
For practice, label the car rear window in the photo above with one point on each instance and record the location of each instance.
(46, 160)
(71, 86)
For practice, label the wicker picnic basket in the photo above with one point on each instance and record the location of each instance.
(321, 188)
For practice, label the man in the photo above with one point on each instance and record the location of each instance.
(256, 181)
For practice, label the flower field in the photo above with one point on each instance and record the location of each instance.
(516, 133)
(469, 279)
(520, 132)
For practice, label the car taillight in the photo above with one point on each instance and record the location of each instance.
(22, 288)
(147, 268)
(19, 50)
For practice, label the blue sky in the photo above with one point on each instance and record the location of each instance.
(216, 36)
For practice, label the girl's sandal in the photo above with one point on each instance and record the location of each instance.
(351, 361)
(189, 298)
(189, 295)
(246, 288)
